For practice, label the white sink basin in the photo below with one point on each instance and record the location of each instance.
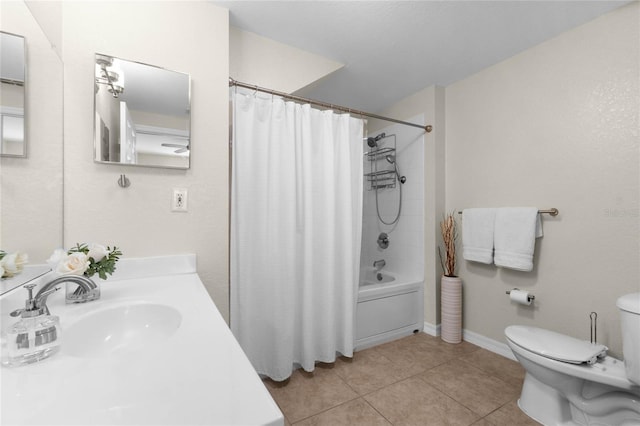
(120, 330)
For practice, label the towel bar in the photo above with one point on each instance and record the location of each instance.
(551, 212)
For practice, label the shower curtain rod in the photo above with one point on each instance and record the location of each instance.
(428, 128)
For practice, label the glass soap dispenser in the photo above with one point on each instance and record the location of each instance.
(35, 336)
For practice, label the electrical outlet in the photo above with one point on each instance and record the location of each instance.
(179, 200)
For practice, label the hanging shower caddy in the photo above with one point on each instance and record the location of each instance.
(380, 176)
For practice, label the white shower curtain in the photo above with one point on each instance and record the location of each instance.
(296, 224)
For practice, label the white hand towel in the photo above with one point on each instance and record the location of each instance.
(516, 229)
(477, 234)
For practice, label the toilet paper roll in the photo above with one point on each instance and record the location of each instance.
(520, 296)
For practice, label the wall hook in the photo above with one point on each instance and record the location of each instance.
(124, 182)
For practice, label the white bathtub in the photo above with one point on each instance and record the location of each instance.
(390, 306)
(369, 276)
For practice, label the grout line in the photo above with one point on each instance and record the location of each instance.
(449, 358)
(376, 410)
(325, 410)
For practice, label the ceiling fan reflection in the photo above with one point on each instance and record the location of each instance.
(181, 148)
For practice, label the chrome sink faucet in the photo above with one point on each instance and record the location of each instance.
(379, 264)
(38, 304)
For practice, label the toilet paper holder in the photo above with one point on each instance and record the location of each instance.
(530, 297)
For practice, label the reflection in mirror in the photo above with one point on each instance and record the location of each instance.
(30, 272)
(31, 190)
(142, 114)
(12, 78)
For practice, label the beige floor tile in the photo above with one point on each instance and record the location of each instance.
(483, 422)
(470, 386)
(510, 414)
(369, 370)
(422, 351)
(503, 368)
(414, 402)
(450, 349)
(353, 413)
(306, 394)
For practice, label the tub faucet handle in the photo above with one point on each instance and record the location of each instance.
(383, 240)
(379, 264)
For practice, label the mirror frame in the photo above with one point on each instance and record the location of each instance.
(96, 125)
(24, 102)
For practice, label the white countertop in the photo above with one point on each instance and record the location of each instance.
(199, 375)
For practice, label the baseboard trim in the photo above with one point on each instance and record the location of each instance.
(433, 330)
(477, 339)
(488, 344)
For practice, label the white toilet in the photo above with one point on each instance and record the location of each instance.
(574, 382)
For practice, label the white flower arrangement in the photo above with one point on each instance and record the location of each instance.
(12, 263)
(85, 259)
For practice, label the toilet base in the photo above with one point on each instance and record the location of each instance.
(548, 406)
(543, 403)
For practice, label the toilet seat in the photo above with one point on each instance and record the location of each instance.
(554, 345)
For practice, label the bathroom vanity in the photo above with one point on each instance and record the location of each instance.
(152, 350)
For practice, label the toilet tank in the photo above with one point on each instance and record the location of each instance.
(629, 306)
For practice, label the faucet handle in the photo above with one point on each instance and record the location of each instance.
(28, 304)
(16, 313)
(31, 308)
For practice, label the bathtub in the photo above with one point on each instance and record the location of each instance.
(389, 306)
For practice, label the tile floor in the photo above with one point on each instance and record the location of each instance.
(417, 380)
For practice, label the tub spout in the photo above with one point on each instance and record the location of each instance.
(379, 264)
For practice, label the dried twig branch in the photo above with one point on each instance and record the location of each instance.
(449, 236)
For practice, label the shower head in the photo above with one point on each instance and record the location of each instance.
(391, 159)
(373, 142)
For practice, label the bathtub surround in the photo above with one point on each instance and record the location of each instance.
(295, 232)
(405, 247)
(394, 309)
(429, 105)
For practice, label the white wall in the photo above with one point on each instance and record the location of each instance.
(264, 62)
(555, 126)
(31, 188)
(191, 37)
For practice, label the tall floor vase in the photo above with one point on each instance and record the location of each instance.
(451, 309)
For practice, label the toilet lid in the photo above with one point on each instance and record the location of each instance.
(555, 345)
(630, 303)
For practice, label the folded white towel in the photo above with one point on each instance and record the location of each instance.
(477, 234)
(516, 229)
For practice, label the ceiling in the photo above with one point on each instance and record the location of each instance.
(392, 49)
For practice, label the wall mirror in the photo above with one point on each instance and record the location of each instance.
(12, 95)
(141, 114)
(31, 189)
